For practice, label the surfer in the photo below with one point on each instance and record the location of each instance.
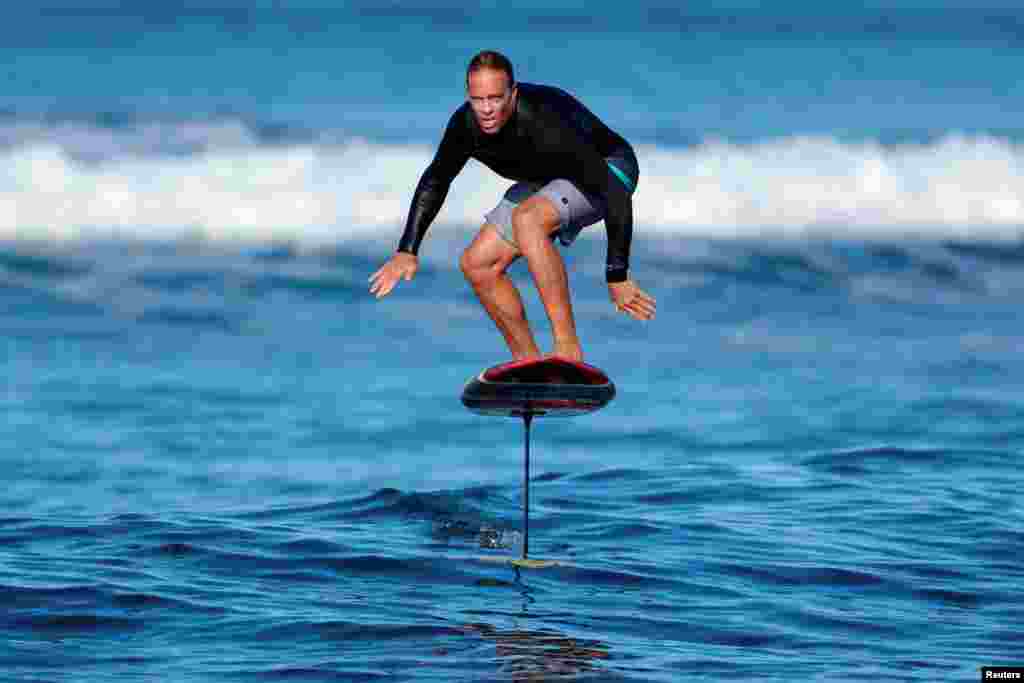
(571, 171)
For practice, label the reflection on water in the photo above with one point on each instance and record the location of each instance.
(541, 655)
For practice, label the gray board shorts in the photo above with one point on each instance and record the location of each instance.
(576, 209)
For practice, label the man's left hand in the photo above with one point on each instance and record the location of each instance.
(630, 299)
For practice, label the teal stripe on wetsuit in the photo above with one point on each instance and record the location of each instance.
(621, 176)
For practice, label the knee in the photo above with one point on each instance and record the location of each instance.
(474, 269)
(529, 224)
(466, 263)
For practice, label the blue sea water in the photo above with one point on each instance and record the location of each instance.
(222, 459)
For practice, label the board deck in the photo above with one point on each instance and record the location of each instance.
(549, 386)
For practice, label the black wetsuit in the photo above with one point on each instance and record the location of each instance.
(550, 135)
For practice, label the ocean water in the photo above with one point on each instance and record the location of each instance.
(222, 459)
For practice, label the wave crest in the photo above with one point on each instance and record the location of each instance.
(221, 181)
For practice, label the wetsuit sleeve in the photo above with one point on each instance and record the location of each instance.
(451, 156)
(584, 164)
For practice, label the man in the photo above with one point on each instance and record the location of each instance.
(572, 171)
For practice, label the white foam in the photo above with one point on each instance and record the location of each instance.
(219, 182)
(957, 186)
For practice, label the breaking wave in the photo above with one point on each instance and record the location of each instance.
(226, 180)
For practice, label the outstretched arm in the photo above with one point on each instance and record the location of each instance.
(452, 154)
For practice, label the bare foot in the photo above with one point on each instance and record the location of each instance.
(568, 351)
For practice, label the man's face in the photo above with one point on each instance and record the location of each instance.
(491, 98)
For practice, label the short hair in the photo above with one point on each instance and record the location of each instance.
(491, 59)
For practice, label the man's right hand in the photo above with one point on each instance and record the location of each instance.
(401, 265)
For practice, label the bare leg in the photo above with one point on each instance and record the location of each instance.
(484, 264)
(533, 221)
